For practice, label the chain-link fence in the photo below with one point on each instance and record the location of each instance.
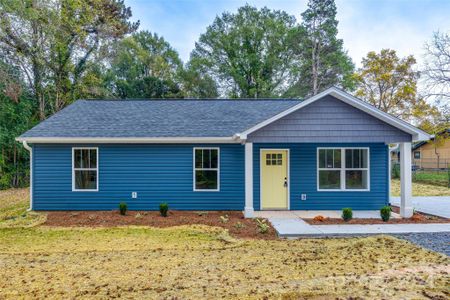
(431, 174)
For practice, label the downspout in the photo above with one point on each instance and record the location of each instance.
(26, 146)
(390, 170)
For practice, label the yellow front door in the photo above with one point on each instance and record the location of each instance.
(274, 181)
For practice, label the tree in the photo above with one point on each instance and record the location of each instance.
(389, 83)
(197, 83)
(54, 42)
(324, 62)
(144, 65)
(16, 111)
(437, 66)
(249, 53)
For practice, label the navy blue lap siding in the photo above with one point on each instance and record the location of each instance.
(163, 173)
(303, 179)
(158, 173)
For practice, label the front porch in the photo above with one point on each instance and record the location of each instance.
(304, 196)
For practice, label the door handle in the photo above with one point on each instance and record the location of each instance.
(285, 182)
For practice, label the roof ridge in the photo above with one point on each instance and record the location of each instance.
(191, 99)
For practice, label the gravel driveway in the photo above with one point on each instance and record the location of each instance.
(436, 241)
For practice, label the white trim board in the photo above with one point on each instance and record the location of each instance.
(417, 134)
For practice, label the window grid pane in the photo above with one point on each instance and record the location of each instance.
(206, 169)
(85, 171)
(353, 170)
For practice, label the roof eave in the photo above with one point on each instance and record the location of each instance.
(127, 140)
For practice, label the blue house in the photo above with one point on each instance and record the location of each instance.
(327, 152)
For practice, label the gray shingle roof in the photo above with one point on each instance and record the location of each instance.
(158, 118)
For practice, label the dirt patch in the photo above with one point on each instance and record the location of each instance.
(417, 218)
(233, 221)
(193, 262)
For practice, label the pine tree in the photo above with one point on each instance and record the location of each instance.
(324, 61)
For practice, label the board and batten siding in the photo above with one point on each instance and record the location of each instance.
(328, 120)
(158, 173)
(303, 178)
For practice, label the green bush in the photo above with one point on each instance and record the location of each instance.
(347, 214)
(164, 209)
(123, 208)
(385, 213)
(395, 171)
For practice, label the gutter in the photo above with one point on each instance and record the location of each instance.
(26, 146)
(127, 140)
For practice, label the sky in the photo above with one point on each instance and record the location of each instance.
(364, 25)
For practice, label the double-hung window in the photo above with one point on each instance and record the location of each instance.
(85, 169)
(206, 169)
(343, 169)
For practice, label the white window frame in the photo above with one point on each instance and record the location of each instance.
(194, 168)
(342, 169)
(84, 169)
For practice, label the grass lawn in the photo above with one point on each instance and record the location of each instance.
(435, 178)
(194, 262)
(420, 189)
(13, 209)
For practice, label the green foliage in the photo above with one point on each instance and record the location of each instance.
(16, 116)
(395, 171)
(164, 209)
(57, 46)
(144, 65)
(123, 208)
(262, 225)
(347, 214)
(389, 83)
(385, 213)
(249, 53)
(323, 60)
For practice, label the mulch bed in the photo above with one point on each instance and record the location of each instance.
(417, 218)
(237, 225)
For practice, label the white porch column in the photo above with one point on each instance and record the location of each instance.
(248, 210)
(406, 209)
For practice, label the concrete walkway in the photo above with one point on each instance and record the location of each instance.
(433, 205)
(309, 214)
(290, 224)
(299, 228)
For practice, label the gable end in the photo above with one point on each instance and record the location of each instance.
(329, 120)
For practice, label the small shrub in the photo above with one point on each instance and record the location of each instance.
(239, 225)
(385, 213)
(319, 218)
(123, 208)
(347, 214)
(164, 209)
(263, 227)
(395, 173)
(224, 219)
(138, 216)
